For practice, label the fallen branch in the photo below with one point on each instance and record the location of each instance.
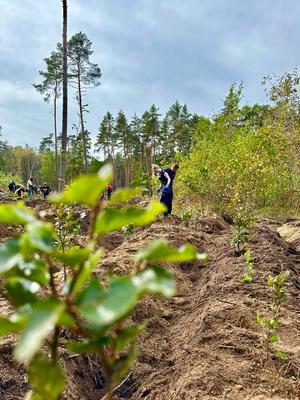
(118, 387)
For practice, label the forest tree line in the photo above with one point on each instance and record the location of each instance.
(131, 145)
(243, 156)
(247, 158)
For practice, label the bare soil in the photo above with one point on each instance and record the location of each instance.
(204, 343)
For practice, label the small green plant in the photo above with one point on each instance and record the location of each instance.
(279, 296)
(243, 224)
(93, 313)
(249, 267)
(240, 237)
(66, 227)
(186, 216)
(128, 230)
(245, 218)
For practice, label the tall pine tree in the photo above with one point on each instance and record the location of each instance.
(84, 75)
(50, 88)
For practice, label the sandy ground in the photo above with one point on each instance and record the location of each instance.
(204, 343)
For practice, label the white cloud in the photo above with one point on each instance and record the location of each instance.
(17, 92)
(150, 51)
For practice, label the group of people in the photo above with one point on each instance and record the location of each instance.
(44, 189)
(166, 177)
(30, 188)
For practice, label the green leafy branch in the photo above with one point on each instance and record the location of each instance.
(94, 313)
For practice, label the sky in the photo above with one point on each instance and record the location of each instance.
(149, 51)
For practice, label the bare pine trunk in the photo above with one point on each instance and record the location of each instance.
(82, 122)
(142, 158)
(113, 162)
(125, 161)
(65, 98)
(55, 138)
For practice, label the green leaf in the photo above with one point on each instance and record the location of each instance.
(66, 319)
(119, 299)
(47, 379)
(122, 294)
(9, 256)
(93, 293)
(260, 319)
(42, 321)
(15, 214)
(123, 195)
(22, 314)
(86, 189)
(274, 322)
(159, 250)
(113, 219)
(282, 355)
(270, 281)
(73, 256)
(21, 291)
(273, 338)
(86, 270)
(86, 346)
(119, 343)
(155, 280)
(38, 236)
(246, 279)
(7, 326)
(127, 336)
(34, 270)
(123, 364)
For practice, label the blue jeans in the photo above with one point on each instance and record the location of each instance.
(30, 191)
(167, 198)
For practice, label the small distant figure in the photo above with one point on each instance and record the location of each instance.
(166, 177)
(45, 189)
(109, 189)
(20, 189)
(30, 187)
(12, 187)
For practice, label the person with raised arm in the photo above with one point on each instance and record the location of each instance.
(166, 177)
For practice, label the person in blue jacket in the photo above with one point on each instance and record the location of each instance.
(166, 177)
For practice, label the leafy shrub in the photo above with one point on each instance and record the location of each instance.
(95, 310)
(245, 156)
(5, 180)
(243, 225)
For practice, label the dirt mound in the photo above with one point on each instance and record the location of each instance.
(290, 232)
(211, 224)
(111, 241)
(204, 343)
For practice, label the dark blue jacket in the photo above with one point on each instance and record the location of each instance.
(164, 180)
